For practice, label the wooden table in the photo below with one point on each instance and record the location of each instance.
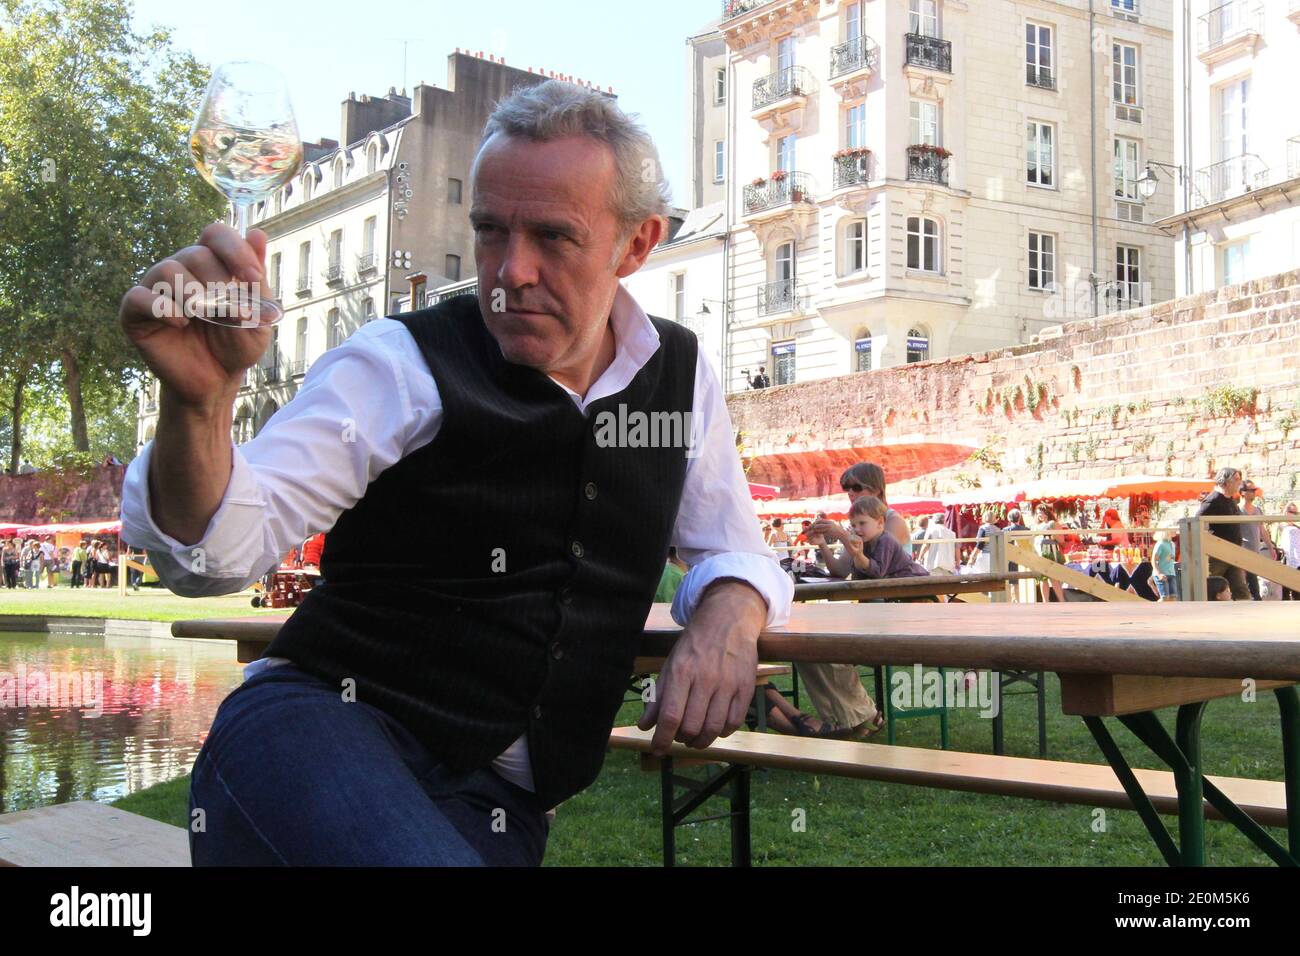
(1114, 660)
(934, 585)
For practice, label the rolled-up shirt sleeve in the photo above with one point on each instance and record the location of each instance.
(717, 532)
(362, 407)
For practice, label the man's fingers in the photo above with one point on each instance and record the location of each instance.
(736, 714)
(138, 308)
(673, 695)
(167, 287)
(240, 258)
(697, 711)
(715, 719)
(650, 716)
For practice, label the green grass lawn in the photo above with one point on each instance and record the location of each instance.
(147, 604)
(615, 822)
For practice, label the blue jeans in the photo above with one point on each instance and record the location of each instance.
(291, 774)
(1168, 587)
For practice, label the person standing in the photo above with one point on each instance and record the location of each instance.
(979, 558)
(1048, 546)
(1222, 502)
(78, 562)
(1252, 535)
(49, 563)
(939, 550)
(1289, 546)
(10, 559)
(1166, 568)
(33, 564)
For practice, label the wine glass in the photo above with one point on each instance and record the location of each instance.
(245, 143)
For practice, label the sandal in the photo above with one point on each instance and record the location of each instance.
(868, 728)
(804, 725)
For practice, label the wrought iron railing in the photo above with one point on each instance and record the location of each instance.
(857, 54)
(734, 8)
(435, 297)
(930, 52)
(299, 368)
(1039, 76)
(334, 272)
(304, 284)
(851, 170)
(1229, 178)
(1230, 21)
(792, 81)
(793, 187)
(926, 166)
(783, 296)
(367, 261)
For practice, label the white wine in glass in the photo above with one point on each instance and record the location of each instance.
(245, 142)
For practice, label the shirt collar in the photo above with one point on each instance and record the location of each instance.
(635, 340)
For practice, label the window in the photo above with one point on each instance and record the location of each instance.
(304, 265)
(1236, 263)
(1038, 55)
(719, 87)
(678, 284)
(1040, 154)
(855, 246)
(368, 237)
(719, 160)
(1042, 261)
(452, 268)
(372, 158)
(1234, 114)
(368, 309)
(855, 126)
(1124, 73)
(783, 363)
(853, 21)
(279, 201)
(338, 173)
(862, 351)
(918, 346)
(784, 54)
(1128, 275)
(1124, 6)
(785, 153)
(925, 123)
(333, 329)
(274, 275)
(453, 192)
(307, 184)
(922, 244)
(1126, 169)
(924, 18)
(784, 262)
(300, 344)
(336, 250)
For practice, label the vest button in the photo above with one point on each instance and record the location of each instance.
(557, 651)
(566, 596)
(537, 712)
(577, 549)
(590, 491)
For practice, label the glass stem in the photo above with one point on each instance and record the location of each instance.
(241, 218)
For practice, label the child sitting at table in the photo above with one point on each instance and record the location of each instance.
(1217, 589)
(874, 553)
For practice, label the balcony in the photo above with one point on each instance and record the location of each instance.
(265, 374)
(450, 293)
(929, 53)
(334, 273)
(852, 64)
(851, 167)
(777, 298)
(367, 262)
(1039, 76)
(734, 8)
(1293, 148)
(928, 164)
(1230, 30)
(772, 195)
(781, 97)
(299, 368)
(1228, 179)
(304, 285)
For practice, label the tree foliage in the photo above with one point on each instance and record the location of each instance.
(95, 186)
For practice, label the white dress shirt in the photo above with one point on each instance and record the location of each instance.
(372, 401)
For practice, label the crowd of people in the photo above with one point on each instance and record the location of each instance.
(28, 562)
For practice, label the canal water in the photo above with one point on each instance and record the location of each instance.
(84, 717)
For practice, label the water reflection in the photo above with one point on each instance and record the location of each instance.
(159, 698)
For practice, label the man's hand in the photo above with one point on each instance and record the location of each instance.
(197, 362)
(708, 679)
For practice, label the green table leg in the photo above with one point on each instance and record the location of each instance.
(1187, 777)
(1288, 700)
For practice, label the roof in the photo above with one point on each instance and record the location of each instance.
(702, 222)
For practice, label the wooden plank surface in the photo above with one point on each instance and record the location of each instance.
(89, 834)
(932, 586)
(1087, 784)
(1075, 579)
(1257, 564)
(1258, 639)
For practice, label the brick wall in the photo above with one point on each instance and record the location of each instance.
(44, 498)
(1159, 390)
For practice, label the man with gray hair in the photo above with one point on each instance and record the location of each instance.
(421, 707)
(1223, 501)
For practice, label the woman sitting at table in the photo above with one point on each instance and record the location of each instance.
(1111, 539)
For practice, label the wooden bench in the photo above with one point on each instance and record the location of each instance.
(1094, 785)
(89, 834)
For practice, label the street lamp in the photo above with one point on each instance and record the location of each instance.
(1149, 181)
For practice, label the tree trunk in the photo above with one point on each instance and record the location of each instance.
(16, 417)
(76, 409)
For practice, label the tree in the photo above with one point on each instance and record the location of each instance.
(95, 185)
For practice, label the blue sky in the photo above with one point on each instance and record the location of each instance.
(329, 48)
